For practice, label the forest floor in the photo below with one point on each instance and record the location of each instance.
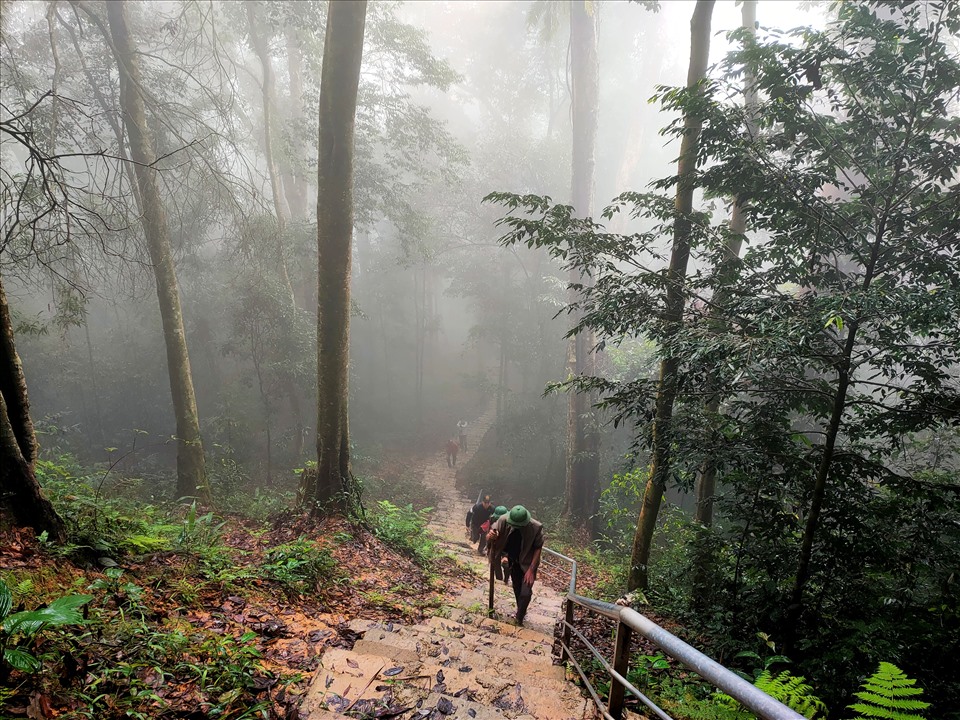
(203, 615)
(228, 623)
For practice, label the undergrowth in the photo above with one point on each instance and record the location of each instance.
(405, 530)
(181, 605)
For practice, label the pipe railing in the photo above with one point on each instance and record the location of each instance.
(630, 621)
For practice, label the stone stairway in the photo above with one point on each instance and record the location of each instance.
(460, 664)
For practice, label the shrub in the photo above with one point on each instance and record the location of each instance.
(404, 529)
(18, 630)
(300, 566)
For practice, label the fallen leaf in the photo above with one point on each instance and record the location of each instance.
(445, 706)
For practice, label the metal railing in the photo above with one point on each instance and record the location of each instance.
(630, 621)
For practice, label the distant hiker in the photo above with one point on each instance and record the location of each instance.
(476, 517)
(462, 434)
(498, 568)
(452, 450)
(521, 538)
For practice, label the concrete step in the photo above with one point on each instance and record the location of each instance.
(460, 664)
(464, 618)
(347, 677)
(493, 633)
(445, 654)
(434, 639)
(440, 707)
(541, 615)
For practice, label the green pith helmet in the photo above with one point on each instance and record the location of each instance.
(518, 516)
(498, 511)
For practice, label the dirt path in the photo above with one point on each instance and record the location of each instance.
(460, 664)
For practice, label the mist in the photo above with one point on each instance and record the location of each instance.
(702, 323)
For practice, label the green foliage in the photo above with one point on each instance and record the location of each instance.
(791, 690)
(99, 525)
(619, 503)
(199, 531)
(889, 694)
(17, 630)
(839, 319)
(224, 669)
(123, 593)
(300, 566)
(405, 529)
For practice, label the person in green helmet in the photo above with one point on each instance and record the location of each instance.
(487, 525)
(520, 537)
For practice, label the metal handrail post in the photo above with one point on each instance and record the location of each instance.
(568, 616)
(621, 663)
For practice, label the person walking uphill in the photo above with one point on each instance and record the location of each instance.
(476, 517)
(452, 450)
(521, 538)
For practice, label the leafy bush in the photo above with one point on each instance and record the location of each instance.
(122, 593)
(404, 529)
(18, 630)
(300, 566)
(100, 526)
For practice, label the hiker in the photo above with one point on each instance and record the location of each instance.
(452, 450)
(477, 516)
(521, 538)
(498, 565)
(462, 434)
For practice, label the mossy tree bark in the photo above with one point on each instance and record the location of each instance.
(673, 305)
(331, 486)
(583, 439)
(19, 489)
(191, 471)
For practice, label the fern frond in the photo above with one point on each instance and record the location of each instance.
(789, 689)
(889, 694)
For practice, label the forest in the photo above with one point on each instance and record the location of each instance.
(680, 277)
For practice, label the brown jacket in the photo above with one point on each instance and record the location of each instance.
(531, 539)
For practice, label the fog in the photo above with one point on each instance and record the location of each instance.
(478, 102)
(683, 283)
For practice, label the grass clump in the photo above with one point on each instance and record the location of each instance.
(301, 566)
(405, 530)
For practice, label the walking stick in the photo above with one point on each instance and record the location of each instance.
(490, 590)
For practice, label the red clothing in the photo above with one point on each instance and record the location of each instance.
(452, 447)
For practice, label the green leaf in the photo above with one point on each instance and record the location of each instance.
(21, 660)
(6, 600)
(62, 611)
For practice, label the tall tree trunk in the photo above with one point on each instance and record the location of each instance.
(269, 102)
(191, 471)
(707, 476)
(19, 488)
(832, 431)
(294, 183)
(583, 440)
(673, 305)
(340, 78)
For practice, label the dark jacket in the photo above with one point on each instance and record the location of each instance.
(478, 515)
(531, 538)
